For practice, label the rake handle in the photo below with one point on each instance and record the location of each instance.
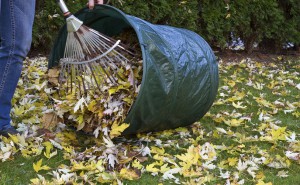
(63, 7)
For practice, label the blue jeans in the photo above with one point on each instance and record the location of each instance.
(16, 20)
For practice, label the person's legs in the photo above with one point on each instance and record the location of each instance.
(16, 20)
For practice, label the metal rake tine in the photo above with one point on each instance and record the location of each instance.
(89, 82)
(83, 85)
(72, 68)
(110, 77)
(101, 70)
(106, 65)
(119, 57)
(63, 74)
(116, 68)
(91, 77)
(77, 47)
(110, 62)
(112, 41)
(95, 41)
(69, 78)
(82, 71)
(86, 72)
(94, 76)
(97, 71)
(67, 73)
(103, 73)
(91, 42)
(78, 81)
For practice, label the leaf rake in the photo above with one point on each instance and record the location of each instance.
(91, 59)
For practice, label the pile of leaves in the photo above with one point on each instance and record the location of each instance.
(102, 109)
(252, 127)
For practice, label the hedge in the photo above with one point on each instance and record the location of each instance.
(264, 22)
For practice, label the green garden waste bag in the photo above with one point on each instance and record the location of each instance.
(180, 70)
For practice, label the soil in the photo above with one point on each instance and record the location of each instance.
(35, 52)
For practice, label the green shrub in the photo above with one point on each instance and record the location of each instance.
(176, 13)
(289, 31)
(214, 25)
(265, 22)
(256, 20)
(252, 21)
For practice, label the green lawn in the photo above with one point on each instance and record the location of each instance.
(242, 140)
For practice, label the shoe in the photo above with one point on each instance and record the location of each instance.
(10, 130)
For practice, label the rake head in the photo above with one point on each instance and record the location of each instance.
(92, 61)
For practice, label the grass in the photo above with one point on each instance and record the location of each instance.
(19, 170)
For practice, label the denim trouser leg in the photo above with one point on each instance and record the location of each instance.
(16, 20)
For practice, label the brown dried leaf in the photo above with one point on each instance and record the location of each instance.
(50, 120)
(142, 159)
(53, 73)
(53, 81)
(46, 133)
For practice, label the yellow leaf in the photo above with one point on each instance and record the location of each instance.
(38, 166)
(232, 161)
(48, 146)
(80, 120)
(14, 138)
(18, 111)
(156, 150)
(264, 102)
(164, 168)
(116, 129)
(69, 149)
(231, 83)
(137, 164)
(234, 122)
(258, 86)
(258, 64)
(239, 105)
(91, 106)
(223, 164)
(158, 157)
(112, 91)
(81, 174)
(78, 166)
(216, 134)
(260, 182)
(127, 100)
(260, 175)
(129, 174)
(22, 141)
(151, 168)
(218, 120)
(272, 84)
(35, 181)
(279, 134)
(296, 114)
(190, 158)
